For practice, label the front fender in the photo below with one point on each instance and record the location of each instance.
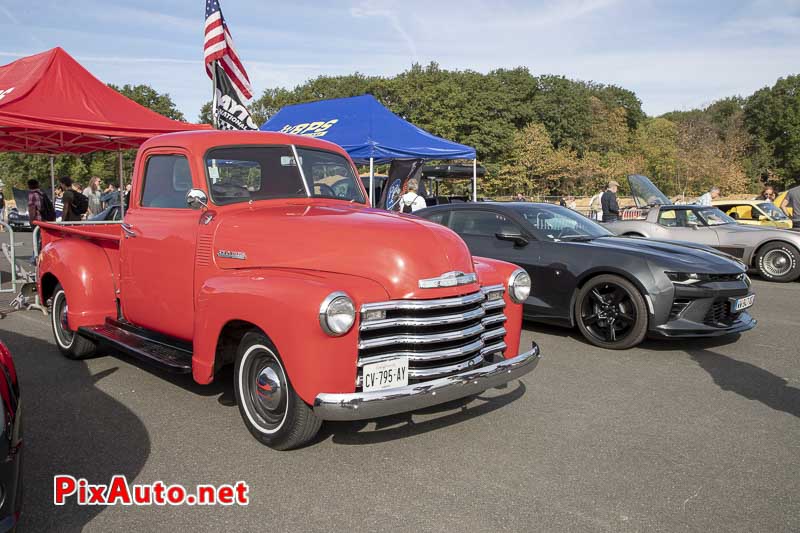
(84, 270)
(494, 272)
(284, 304)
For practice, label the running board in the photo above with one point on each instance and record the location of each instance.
(142, 345)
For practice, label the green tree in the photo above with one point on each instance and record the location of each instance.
(772, 116)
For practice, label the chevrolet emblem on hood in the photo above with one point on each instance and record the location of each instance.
(231, 254)
(448, 279)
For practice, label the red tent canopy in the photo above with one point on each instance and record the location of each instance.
(50, 104)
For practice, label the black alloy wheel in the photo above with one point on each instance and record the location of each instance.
(611, 313)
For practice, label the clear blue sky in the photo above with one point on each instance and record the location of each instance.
(674, 55)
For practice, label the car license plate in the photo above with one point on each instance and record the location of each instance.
(385, 375)
(740, 304)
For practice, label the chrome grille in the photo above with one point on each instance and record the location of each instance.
(440, 337)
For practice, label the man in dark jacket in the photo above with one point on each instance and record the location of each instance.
(69, 201)
(609, 202)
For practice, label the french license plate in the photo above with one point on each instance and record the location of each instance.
(740, 304)
(385, 375)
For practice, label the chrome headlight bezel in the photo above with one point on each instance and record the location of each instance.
(519, 286)
(336, 305)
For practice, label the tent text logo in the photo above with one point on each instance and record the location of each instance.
(5, 92)
(309, 129)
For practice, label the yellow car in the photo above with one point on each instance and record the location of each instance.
(754, 212)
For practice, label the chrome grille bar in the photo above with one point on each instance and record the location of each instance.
(450, 353)
(421, 339)
(424, 321)
(422, 305)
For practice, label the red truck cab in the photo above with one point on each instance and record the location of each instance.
(259, 250)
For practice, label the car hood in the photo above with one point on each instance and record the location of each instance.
(681, 257)
(391, 249)
(756, 232)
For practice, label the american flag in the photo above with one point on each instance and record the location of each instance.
(218, 46)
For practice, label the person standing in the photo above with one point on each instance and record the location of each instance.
(768, 194)
(792, 201)
(412, 201)
(520, 197)
(2, 209)
(706, 199)
(609, 204)
(94, 194)
(59, 203)
(69, 214)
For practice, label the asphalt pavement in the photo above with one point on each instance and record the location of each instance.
(669, 436)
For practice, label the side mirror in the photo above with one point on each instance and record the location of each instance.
(196, 199)
(692, 225)
(516, 238)
(763, 218)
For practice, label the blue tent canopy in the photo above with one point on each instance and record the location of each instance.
(366, 130)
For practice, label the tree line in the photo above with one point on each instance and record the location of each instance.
(544, 135)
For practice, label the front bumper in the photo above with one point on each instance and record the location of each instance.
(363, 405)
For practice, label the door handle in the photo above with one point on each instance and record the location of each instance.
(127, 229)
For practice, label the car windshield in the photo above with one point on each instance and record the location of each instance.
(714, 217)
(772, 211)
(555, 223)
(244, 173)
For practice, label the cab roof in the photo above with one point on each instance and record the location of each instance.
(204, 140)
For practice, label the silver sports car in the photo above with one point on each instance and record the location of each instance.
(774, 253)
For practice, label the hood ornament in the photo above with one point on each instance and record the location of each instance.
(448, 279)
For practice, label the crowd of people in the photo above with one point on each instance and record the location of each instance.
(71, 202)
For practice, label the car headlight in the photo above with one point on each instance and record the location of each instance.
(519, 286)
(337, 314)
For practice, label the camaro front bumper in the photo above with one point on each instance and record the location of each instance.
(363, 405)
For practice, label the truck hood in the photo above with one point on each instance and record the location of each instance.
(678, 256)
(391, 249)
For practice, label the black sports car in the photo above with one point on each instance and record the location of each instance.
(615, 289)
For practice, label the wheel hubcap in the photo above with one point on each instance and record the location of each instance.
(268, 389)
(608, 313)
(61, 310)
(777, 262)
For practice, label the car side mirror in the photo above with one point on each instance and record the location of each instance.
(514, 237)
(763, 218)
(196, 199)
(693, 225)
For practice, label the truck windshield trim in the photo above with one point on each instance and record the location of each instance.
(244, 173)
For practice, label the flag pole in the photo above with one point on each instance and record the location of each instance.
(214, 121)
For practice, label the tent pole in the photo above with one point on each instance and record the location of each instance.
(474, 180)
(121, 186)
(371, 180)
(53, 178)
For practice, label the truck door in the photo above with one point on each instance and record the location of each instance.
(157, 272)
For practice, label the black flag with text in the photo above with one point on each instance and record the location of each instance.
(231, 113)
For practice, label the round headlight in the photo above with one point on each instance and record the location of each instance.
(337, 314)
(519, 286)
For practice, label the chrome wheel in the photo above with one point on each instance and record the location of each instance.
(64, 336)
(608, 313)
(777, 262)
(262, 382)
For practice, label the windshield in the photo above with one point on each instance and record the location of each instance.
(714, 217)
(772, 211)
(555, 223)
(645, 193)
(244, 173)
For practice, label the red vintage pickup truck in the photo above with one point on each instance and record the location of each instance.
(259, 250)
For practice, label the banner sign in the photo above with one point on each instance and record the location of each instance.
(231, 113)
